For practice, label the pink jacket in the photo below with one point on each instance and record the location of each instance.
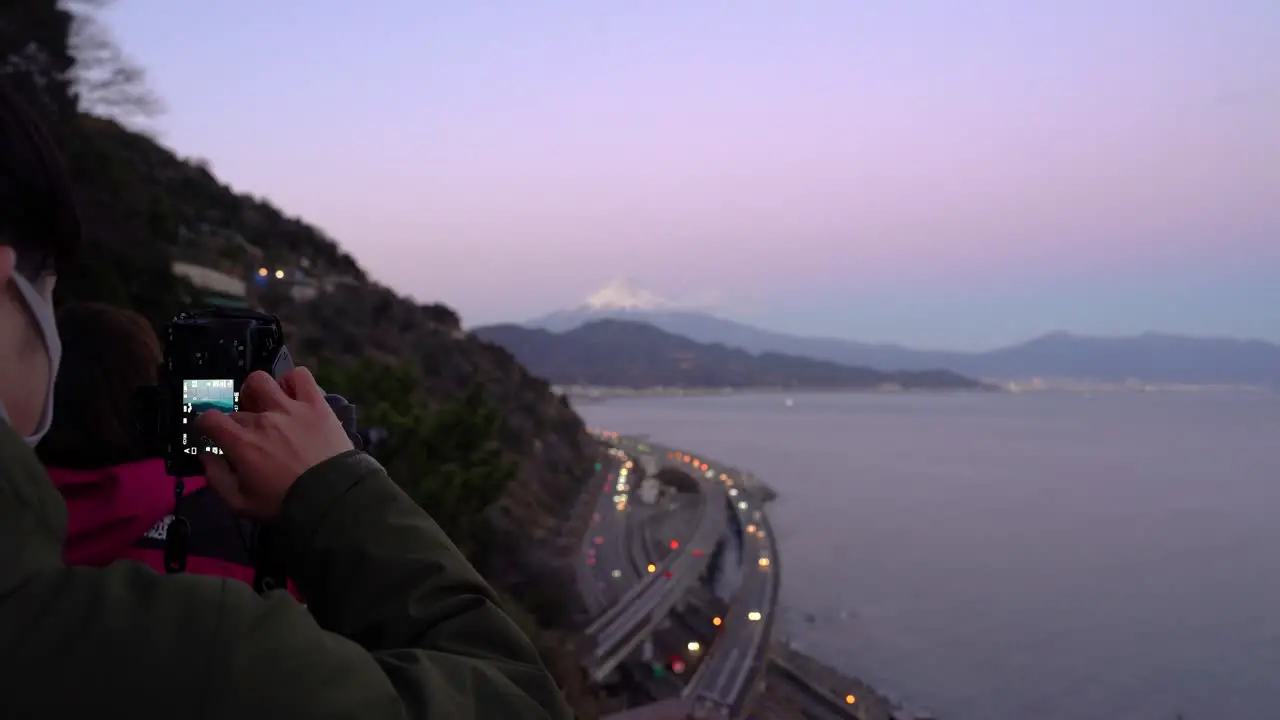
(123, 512)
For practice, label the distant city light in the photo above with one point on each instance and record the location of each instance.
(279, 274)
(262, 272)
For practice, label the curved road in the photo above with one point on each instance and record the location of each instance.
(632, 601)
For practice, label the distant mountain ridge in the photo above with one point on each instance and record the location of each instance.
(1149, 357)
(620, 353)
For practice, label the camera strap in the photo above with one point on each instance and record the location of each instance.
(177, 538)
(268, 572)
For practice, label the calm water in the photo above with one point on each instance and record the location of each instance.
(1029, 557)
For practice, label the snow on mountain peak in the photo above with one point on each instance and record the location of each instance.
(625, 294)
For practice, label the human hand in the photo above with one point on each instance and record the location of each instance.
(283, 429)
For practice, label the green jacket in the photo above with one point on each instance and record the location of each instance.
(399, 625)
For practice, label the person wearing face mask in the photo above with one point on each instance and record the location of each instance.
(398, 625)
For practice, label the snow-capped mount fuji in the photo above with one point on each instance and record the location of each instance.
(625, 294)
(622, 299)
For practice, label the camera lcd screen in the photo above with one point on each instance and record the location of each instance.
(199, 396)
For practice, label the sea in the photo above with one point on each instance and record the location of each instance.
(1032, 556)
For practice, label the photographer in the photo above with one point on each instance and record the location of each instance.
(119, 497)
(400, 626)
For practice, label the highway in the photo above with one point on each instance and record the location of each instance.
(643, 561)
(735, 662)
(607, 539)
(620, 629)
(657, 594)
(615, 552)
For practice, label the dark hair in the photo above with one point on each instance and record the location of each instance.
(107, 354)
(38, 216)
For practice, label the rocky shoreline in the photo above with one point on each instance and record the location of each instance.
(795, 666)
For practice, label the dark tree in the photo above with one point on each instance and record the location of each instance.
(447, 458)
(35, 53)
(106, 81)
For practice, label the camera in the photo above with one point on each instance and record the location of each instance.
(207, 356)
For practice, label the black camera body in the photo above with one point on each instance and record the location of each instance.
(207, 356)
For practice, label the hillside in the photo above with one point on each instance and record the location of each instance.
(524, 455)
(1150, 357)
(620, 353)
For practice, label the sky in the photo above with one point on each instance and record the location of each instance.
(937, 173)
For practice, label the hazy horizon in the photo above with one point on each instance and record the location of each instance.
(925, 173)
(912, 346)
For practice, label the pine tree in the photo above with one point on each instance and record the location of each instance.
(446, 458)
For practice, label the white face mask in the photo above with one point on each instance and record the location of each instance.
(42, 311)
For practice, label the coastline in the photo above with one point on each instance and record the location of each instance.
(792, 668)
(794, 682)
(588, 393)
(594, 394)
(870, 704)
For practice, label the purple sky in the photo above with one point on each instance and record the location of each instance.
(951, 174)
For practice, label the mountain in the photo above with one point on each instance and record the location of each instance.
(1150, 357)
(622, 353)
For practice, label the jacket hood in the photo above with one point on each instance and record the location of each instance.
(109, 509)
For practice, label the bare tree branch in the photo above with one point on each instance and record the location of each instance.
(106, 80)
